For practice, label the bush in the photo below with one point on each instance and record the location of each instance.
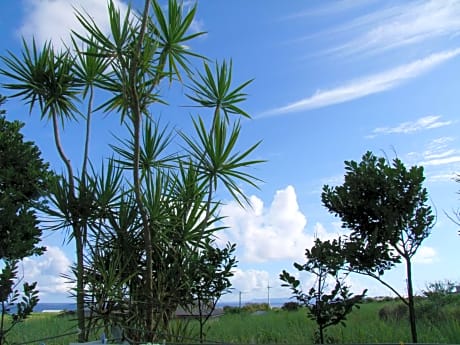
(395, 312)
(290, 306)
(252, 307)
(438, 308)
(231, 310)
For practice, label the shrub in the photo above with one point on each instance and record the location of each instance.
(395, 312)
(252, 307)
(290, 306)
(231, 310)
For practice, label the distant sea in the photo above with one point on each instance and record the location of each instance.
(276, 302)
(55, 306)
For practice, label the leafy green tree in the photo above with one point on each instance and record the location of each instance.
(10, 297)
(211, 279)
(384, 205)
(326, 306)
(24, 179)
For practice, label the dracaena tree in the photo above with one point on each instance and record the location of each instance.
(158, 196)
(59, 84)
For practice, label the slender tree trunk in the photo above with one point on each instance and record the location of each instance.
(411, 304)
(2, 320)
(321, 334)
(137, 119)
(76, 232)
(87, 135)
(82, 336)
(318, 306)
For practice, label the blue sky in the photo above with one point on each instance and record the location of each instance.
(332, 79)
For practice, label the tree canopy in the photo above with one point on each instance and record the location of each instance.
(23, 181)
(385, 207)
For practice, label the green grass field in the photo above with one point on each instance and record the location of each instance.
(274, 327)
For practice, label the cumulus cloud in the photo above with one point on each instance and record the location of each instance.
(254, 285)
(47, 270)
(274, 233)
(367, 85)
(425, 255)
(53, 19)
(423, 123)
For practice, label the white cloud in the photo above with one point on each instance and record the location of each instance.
(47, 270)
(53, 19)
(368, 85)
(401, 25)
(276, 233)
(442, 177)
(250, 280)
(423, 123)
(442, 161)
(329, 8)
(439, 152)
(440, 157)
(425, 255)
(253, 285)
(197, 25)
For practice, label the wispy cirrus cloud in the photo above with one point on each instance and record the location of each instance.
(440, 152)
(329, 8)
(401, 25)
(423, 123)
(367, 85)
(441, 158)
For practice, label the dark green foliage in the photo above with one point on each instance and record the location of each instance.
(393, 312)
(439, 302)
(291, 306)
(14, 308)
(231, 310)
(210, 276)
(384, 205)
(247, 308)
(440, 290)
(253, 307)
(327, 307)
(23, 181)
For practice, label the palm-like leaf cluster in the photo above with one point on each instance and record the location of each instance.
(45, 77)
(144, 221)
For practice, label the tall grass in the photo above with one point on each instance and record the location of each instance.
(363, 326)
(39, 327)
(276, 327)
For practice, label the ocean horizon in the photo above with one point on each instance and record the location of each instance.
(276, 302)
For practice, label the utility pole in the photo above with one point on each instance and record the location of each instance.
(239, 303)
(268, 294)
(239, 300)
